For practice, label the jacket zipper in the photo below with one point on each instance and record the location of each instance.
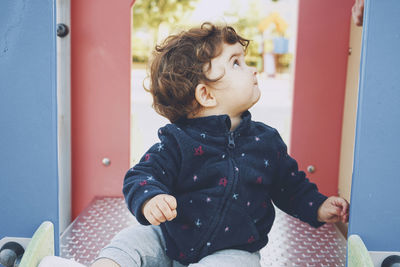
(231, 146)
(231, 140)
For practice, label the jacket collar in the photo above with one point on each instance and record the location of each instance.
(217, 123)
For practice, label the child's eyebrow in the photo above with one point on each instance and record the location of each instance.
(236, 55)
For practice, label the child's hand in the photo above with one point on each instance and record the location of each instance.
(333, 210)
(159, 209)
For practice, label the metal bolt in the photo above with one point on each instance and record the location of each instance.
(311, 169)
(11, 253)
(62, 30)
(106, 162)
(8, 257)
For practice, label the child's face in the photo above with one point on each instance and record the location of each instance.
(238, 89)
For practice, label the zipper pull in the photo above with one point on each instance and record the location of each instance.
(231, 143)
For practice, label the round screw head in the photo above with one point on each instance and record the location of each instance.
(311, 169)
(62, 30)
(106, 162)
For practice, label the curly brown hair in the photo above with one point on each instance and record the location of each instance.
(181, 62)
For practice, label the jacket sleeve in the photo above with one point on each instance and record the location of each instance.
(292, 192)
(153, 175)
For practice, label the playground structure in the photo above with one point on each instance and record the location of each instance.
(35, 146)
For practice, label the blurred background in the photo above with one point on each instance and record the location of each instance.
(271, 25)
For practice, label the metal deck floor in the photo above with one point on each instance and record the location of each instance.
(291, 242)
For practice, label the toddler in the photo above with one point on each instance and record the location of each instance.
(204, 193)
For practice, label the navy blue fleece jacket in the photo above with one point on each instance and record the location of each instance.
(224, 182)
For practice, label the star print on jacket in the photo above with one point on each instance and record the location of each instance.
(198, 151)
(198, 223)
(223, 181)
(266, 163)
(160, 147)
(224, 185)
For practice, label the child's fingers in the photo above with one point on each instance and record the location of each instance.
(343, 204)
(174, 213)
(346, 209)
(334, 210)
(334, 213)
(165, 209)
(150, 218)
(171, 201)
(157, 210)
(337, 202)
(340, 202)
(153, 220)
(158, 215)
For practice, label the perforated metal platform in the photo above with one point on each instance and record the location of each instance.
(292, 242)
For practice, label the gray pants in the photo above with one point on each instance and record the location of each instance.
(145, 246)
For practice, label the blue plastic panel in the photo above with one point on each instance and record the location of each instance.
(28, 117)
(375, 196)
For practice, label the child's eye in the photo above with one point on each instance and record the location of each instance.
(236, 62)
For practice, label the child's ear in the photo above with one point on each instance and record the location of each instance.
(205, 96)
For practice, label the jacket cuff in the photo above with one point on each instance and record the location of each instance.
(319, 199)
(311, 206)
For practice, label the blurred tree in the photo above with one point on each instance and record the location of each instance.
(149, 16)
(151, 13)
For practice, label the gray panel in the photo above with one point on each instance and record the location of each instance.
(292, 242)
(64, 114)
